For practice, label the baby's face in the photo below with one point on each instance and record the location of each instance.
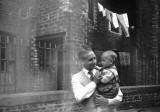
(106, 61)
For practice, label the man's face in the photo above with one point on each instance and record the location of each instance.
(90, 60)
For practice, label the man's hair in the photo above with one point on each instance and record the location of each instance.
(83, 51)
(112, 55)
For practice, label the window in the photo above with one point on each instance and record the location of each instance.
(91, 9)
(7, 62)
(45, 52)
(49, 56)
(3, 61)
(6, 51)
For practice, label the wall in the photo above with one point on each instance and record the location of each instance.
(147, 42)
(28, 20)
(77, 35)
(17, 18)
(68, 16)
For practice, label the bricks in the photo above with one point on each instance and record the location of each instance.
(52, 18)
(31, 19)
(148, 39)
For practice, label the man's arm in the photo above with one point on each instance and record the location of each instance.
(82, 92)
(117, 99)
(107, 101)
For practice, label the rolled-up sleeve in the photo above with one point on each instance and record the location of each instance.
(82, 92)
(117, 98)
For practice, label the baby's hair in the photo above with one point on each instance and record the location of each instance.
(83, 50)
(112, 55)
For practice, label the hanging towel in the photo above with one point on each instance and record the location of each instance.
(115, 20)
(123, 20)
(100, 7)
(125, 16)
(104, 12)
(108, 15)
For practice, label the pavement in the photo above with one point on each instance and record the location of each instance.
(151, 109)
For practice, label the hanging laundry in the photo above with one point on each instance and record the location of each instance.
(113, 25)
(108, 15)
(115, 20)
(116, 24)
(123, 20)
(125, 16)
(100, 7)
(104, 12)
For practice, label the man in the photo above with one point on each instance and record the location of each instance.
(82, 84)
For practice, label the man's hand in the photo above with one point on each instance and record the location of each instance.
(114, 102)
(100, 100)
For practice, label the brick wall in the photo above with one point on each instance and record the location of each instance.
(53, 16)
(30, 19)
(17, 18)
(9, 15)
(63, 101)
(140, 96)
(148, 29)
(26, 20)
(23, 19)
(147, 39)
(77, 25)
(68, 16)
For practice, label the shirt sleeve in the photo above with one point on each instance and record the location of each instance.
(82, 92)
(117, 98)
(107, 76)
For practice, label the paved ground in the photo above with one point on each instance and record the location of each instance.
(152, 109)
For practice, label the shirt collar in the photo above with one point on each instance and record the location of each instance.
(85, 71)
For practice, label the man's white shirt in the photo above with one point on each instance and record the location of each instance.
(80, 91)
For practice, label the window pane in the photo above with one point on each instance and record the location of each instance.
(3, 39)
(3, 66)
(3, 53)
(2, 45)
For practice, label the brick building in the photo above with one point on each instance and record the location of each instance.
(39, 42)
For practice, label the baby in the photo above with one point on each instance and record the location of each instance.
(108, 86)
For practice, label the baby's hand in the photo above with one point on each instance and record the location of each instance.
(98, 75)
(107, 77)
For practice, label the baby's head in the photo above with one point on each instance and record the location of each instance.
(108, 59)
